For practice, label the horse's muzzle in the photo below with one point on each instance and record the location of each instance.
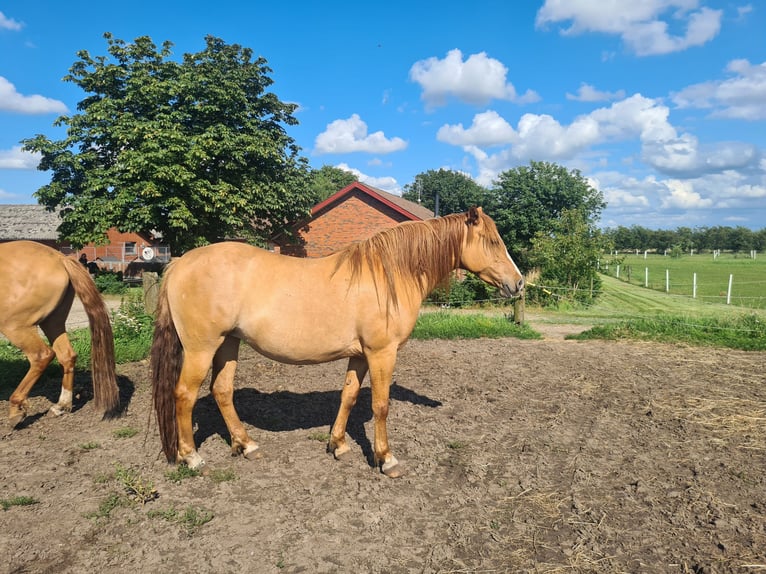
(510, 289)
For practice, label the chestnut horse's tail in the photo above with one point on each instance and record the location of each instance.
(166, 362)
(106, 395)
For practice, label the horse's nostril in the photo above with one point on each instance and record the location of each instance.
(520, 284)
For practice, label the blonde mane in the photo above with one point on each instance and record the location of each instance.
(418, 252)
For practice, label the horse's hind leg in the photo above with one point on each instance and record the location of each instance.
(39, 356)
(55, 329)
(357, 369)
(222, 387)
(193, 372)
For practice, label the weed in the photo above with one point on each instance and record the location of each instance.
(90, 445)
(456, 444)
(222, 475)
(190, 519)
(7, 503)
(125, 432)
(139, 489)
(104, 510)
(320, 436)
(193, 518)
(180, 473)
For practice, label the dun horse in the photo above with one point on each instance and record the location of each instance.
(359, 303)
(37, 288)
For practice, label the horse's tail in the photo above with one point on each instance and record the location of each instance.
(106, 395)
(166, 362)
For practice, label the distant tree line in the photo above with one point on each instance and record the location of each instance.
(736, 239)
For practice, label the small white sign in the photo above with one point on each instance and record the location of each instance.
(147, 254)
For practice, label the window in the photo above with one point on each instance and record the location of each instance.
(130, 248)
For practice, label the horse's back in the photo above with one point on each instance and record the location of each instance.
(301, 310)
(32, 282)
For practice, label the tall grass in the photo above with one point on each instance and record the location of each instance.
(444, 325)
(744, 332)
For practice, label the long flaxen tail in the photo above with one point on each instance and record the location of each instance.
(106, 394)
(166, 363)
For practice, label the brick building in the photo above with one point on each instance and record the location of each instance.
(124, 252)
(354, 213)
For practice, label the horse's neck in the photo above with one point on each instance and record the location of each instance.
(437, 252)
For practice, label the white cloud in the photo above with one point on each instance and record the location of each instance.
(5, 194)
(15, 158)
(587, 93)
(541, 136)
(685, 156)
(9, 23)
(347, 136)
(388, 184)
(743, 11)
(478, 80)
(12, 101)
(487, 129)
(681, 195)
(643, 26)
(733, 189)
(740, 97)
(620, 198)
(635, 120)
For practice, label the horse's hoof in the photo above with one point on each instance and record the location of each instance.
(253, 453)
(342, 456)
(194, 461)
(339, 452)
(57, 410)
(15, 420)
(392, 468)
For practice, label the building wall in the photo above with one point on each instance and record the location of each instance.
(115, 248)
(357, 216)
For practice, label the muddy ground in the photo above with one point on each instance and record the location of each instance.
(521, 456)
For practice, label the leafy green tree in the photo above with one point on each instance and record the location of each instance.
(195, 149)
(457, 192)
(567, 253)
(328, 180)
(528, 200)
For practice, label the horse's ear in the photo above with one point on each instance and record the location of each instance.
(474, 215)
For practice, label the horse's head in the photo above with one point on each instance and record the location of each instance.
(485, 254)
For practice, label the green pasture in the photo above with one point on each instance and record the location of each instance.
(748, 276)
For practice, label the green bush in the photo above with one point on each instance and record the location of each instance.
(110, 283)
(133, 328)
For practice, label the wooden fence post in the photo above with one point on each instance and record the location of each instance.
(151, 283)
(518, 310)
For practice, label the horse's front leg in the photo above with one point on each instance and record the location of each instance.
(381, 372)
(355, 373)
(222, 387)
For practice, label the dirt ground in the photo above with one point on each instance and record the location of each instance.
(521, 456)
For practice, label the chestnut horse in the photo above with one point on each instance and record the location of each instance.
(37, 288)
(359, 303)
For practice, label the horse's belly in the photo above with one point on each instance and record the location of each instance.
(301, 344)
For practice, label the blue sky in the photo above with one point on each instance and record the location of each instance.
(661, 104)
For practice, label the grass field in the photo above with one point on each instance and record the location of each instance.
(628, 311)
(748, 277)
